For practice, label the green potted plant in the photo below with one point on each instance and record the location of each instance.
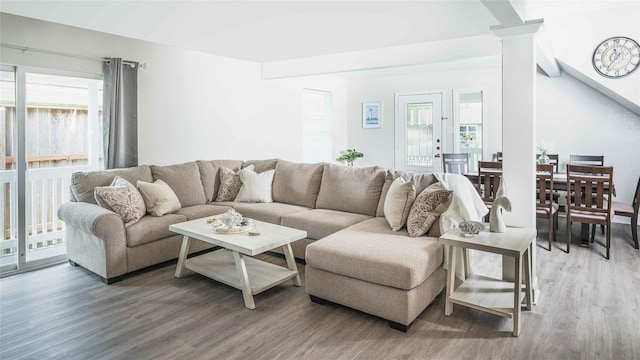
(350, 155)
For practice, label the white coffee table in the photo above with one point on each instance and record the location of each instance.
(230, 266)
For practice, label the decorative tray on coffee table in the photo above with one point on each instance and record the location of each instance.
(220, 228)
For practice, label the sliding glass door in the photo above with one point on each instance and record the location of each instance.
(8, 172)
(55, 131)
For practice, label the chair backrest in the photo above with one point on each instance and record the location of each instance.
(544, 178)
(587, 160)
(588, 187)
(489, 175)
(636, 200)
(554, 159)
(456, 163)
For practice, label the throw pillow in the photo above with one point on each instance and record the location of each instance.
(436, 230)
(397, 203)
(122, 198)
(158, 197)
(426, 209)
(230, 183)
(255, 187)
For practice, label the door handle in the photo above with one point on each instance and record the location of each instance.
(437, 155)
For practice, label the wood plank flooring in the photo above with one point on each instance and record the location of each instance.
(589, 309)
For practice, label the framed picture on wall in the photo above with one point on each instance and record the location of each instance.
(372, 115)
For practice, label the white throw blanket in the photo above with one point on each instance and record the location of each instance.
(467, 205)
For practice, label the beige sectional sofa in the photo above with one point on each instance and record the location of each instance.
(352, 256)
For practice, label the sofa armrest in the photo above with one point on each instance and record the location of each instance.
(96, 239)
(91, 218)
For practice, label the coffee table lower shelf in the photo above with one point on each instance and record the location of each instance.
(220, 265)
(487, 294)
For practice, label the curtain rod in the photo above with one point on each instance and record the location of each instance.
(24, 49)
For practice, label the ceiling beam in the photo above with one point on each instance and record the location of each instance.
(504, 12)
(508, 17)
(434, 52)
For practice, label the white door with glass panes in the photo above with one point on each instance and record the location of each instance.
(419, 132)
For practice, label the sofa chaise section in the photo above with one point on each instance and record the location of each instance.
(371, 268)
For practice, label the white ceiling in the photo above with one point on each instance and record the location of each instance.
(266, 31)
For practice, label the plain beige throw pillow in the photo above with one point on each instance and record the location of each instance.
(158, 197)
(255, 187)
(398, 203)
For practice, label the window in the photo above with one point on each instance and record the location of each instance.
(316, 140)
(469, 118)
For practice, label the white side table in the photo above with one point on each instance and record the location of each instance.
(495, 296)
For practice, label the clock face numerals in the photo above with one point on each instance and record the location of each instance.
(616, 57)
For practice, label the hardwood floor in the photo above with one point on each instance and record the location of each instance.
(589, 308)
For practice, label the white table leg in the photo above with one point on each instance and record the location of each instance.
(451, 274)
(184, 251)
(291, 263)
(467, 266)
(517, 288)
(241, 267)
(527, 277)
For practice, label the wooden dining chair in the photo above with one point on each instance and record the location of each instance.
(554, 159)
(489, 176)
(587, 202)
(457, 163)
(587, 160)
(546, 208)
(629, 210)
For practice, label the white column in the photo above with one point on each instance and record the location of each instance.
(519, 131)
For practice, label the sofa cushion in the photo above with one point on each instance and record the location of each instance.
(427, 207)
(152, 228)
(319, 223)
(159, 198)
(184, 180)
(209, 170)
(297, 184)
(230, 183)
(420, 181)
(255, 187)
(122, 198)
(398, 203)
(83, 183)
(261, 165)
(200, 211)
(268, 212)
(351, 189)
(372, 252)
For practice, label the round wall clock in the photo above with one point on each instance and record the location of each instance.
(616, 57)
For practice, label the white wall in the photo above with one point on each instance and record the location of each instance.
(190, 105)
(378, 144)
(576, 36)
(579, 120)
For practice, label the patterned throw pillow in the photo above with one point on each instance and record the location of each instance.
(230, 184)
(431, 202)
(122, 198)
